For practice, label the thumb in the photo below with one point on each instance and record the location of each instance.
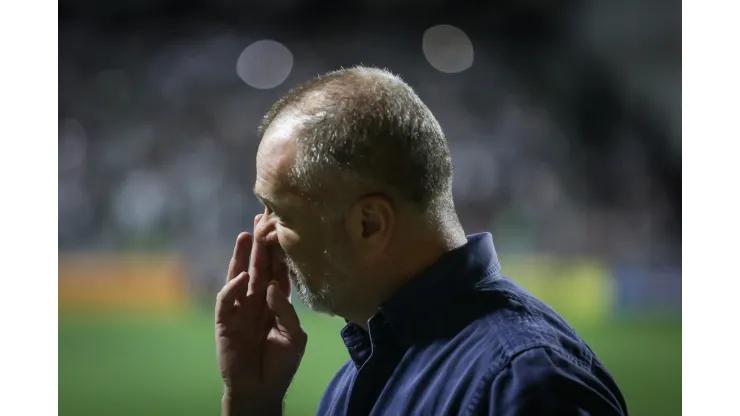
(285, 314)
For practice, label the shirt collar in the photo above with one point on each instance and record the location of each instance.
(440, 296)
(437, 300)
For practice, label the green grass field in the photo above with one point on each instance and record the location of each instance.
(155, 366)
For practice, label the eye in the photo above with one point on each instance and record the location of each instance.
(269, 210)
(272, 213)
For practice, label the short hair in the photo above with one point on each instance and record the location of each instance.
(367, 126)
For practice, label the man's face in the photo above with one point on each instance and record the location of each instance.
(312, 239)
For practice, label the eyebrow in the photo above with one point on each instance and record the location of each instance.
(260, 196)
(265, 200)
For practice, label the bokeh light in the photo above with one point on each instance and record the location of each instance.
(447, 48)
(265, 64)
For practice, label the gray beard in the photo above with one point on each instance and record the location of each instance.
(318, 301)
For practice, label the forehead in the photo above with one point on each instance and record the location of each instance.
(276, 155)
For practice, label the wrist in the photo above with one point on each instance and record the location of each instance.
(236, 403)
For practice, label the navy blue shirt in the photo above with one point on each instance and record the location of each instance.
(461, 339)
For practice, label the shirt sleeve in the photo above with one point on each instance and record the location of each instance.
(543, 382)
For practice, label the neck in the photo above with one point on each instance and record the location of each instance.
(409, 255)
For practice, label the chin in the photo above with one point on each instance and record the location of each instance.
(315, 300)
(309, 299)
(324, 311)
(316, 305)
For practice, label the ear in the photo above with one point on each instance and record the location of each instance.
(370, 224)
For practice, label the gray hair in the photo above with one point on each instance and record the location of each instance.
(366, 130)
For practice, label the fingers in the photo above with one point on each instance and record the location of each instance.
(285, 314)
(267, 259)
(258, 263)
(235, 288)
(280, 270)
(240, 258)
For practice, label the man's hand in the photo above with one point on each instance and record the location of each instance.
(259, 339)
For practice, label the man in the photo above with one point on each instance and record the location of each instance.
(355, 175)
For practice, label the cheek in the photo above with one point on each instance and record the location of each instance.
(288, 240)
(305, 247)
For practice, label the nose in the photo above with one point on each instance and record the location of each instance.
(266, 231)
(271, 239)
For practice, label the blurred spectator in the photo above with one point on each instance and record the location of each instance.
(157, 132)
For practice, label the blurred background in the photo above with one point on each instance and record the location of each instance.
(564, 120)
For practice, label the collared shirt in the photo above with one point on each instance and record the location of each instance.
(461, 339)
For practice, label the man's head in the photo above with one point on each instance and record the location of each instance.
(352, 165)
